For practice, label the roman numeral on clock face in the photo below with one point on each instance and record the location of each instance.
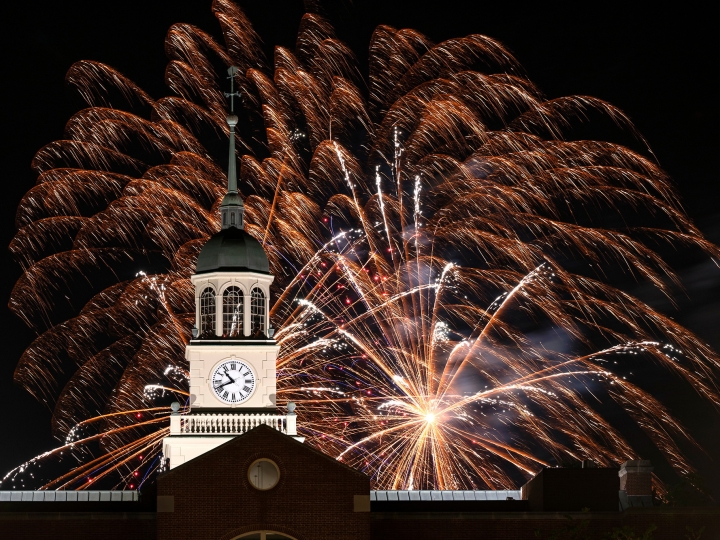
(246, 389)
(233, 397)
(232, 366)
(225, 394)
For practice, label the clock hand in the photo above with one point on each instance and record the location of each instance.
(229, 377)
(224, 384)
(229, 382)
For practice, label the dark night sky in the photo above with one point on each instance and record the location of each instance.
(660, 65)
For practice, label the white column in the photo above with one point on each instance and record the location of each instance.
(246, 313)
(267, 311)
(218, 312)
(291, 423)
(197, 308)
(174, 425)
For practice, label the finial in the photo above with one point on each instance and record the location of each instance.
(232, 72)
(232, 208)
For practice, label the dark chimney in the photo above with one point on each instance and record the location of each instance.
(636, 484)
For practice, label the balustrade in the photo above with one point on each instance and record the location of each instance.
(228, 424)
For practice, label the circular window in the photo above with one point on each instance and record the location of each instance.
(263, 474)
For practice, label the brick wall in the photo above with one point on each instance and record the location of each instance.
(671, 524)
(81, 525)
(213, 499)
(560, 490)
(636, 477)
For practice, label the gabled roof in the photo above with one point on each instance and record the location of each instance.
(266, 431)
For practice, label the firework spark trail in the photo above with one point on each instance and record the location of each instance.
(378, 182)
(140, 445)
(495, 309)
(412, 270)
(107, 463)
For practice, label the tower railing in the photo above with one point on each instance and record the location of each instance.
(230, 424)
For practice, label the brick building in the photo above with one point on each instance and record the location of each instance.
(306, 495)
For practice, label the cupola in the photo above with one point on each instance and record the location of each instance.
(232, 277)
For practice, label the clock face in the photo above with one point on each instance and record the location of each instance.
(233, 381)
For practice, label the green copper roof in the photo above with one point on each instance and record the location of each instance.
(234, 250)
(232, 199)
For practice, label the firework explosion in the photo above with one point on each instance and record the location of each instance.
(423, 225)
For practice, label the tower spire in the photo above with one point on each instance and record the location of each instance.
(232, 208)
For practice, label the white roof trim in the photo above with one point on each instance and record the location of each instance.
(414, 495)
(69, 496)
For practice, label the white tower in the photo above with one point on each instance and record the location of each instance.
(232, 354)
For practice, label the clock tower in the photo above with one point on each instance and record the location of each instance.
(232, 353)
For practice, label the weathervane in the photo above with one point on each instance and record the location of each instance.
(232, 71)
(232, 208)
